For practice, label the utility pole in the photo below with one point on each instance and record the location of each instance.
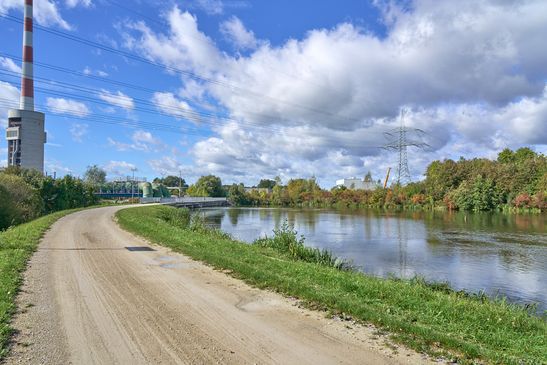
(398, 140)
(133, 182)
(180, 183)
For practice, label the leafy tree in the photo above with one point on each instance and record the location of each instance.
(279, 195)
(477, 195)
(94, 175)
(484, 195)
(523, 154)
(8, 208)
(20, 201)
(297, 188)
(506, 156)
(173, 181)
(441, 176)
(209, 185)
(266, 184)
(237, 196)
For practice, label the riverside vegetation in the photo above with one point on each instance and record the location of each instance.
(427, 317)
(515, 181)
(27, 194)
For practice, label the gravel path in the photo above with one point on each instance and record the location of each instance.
(87, 299)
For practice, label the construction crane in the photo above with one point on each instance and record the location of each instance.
(387, 177)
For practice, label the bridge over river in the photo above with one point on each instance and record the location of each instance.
(188, 202)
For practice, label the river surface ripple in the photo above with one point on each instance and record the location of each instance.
(500, 254)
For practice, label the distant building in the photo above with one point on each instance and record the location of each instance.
(357, 184)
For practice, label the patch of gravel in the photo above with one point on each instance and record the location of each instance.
(39, 338)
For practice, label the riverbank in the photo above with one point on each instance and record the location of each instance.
(17, 245)
(492, 253)
(424, 317)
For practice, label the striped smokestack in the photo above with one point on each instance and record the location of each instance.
(27, 83)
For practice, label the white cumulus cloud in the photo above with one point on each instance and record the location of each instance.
(46, 12)
(118, 99)
(211, 7)
(75, 3)
(9, 98)
(473, 74)
(8, 64)
(140, 141)
(67, 106)
(88, 71)
(234, 30)
(78, 131)
(118, 168)
(171, 105)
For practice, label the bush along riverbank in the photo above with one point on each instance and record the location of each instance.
(515, 182)
(426, 317)
(16, 247)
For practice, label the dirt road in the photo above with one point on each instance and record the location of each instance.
(92, 296)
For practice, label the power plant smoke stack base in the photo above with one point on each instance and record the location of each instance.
(26, 132)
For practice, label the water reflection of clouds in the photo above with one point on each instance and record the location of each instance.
(472, 252)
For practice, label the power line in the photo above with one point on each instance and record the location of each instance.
(82, 74)
(139, 124)
(137, 87)
(208, 119)
(201, 40)
(132, 56)
(106, 119)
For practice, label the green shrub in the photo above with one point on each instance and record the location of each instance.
(176, 217)
(21, 202)
(27, 194)
(285, 240)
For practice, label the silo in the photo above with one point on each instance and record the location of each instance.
(146, 190)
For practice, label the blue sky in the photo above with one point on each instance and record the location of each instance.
(254, 89)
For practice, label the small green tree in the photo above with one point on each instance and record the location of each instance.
(237, 195)
(506, 156)
(94, 175)
(173, 181)
(8, 208)
(21, 201)
(209, 185)
(484, 194)
(266, 184)
(523, 154)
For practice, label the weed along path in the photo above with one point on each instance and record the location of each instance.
(95, 294)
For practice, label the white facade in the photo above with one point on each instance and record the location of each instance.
(357, 184)
(26, 137)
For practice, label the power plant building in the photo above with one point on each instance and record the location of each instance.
(25, 133)
(357, 184)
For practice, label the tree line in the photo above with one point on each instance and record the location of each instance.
(27, 194)
(515, 180)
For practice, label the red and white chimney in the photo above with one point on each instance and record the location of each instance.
(27, 79)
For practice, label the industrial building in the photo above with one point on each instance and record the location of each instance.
(357, 184)
(25, 133)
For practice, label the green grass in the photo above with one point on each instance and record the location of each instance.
(423, 316)
(16, 246)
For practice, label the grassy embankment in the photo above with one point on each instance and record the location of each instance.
(426, 317)
(16, 246)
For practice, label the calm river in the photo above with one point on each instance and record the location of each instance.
(496, 253)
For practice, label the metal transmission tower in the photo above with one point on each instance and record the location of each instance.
(398, 140)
